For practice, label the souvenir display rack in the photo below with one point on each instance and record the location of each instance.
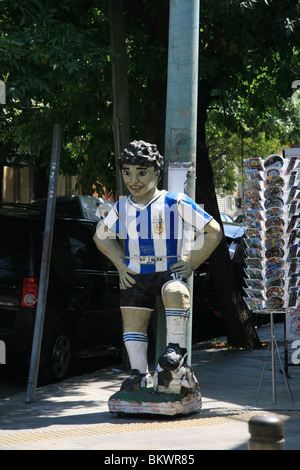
(271, 210)
(273, 238)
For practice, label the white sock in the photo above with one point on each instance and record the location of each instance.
(177, 321)
(136, 346)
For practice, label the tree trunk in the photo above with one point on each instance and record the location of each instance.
(1, 180)
(238, 326)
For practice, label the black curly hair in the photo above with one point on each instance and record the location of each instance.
(141, 153)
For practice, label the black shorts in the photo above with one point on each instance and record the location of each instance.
(147, 286)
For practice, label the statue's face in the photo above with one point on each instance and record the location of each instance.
(140, 181)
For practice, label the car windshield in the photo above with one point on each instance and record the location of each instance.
(14, 245)
(226, 218)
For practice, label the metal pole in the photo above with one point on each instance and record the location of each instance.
(45, 265)
(182, 98)
(273, 360)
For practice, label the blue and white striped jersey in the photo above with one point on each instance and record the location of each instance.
(158, 234)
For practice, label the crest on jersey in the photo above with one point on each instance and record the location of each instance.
(158, 225)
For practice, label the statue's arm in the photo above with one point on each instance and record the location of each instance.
(206, 242)
(113, 251)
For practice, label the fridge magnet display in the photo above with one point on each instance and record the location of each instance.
(253, 163)
(292, 238)
(253, 183)
(292, 223)
(254, 303)
(274, 180)
(293, 207)
(253, 214)
(272, 220)
(253, 233)
(273, 191)
(273, 242)
(253, 175)
(291, 165)
(274, 201)
(275, 282)
(274, 263)
(293, 266)
(254, 243)
(275, 303)
(254, 203)
(278, 221)
(292, 297)
(274, 231)
(274, 172)
(274, 212)
(275, 251)
(273, 161)
(292, 179)
(274, 272)
(275, 291)
(293, 280)
(292, 252)
(253, 273)
(292, 194)
(253, 253)
(254, 284)
(254, 263)
(254, 293)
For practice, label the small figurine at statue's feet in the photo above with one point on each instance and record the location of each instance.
(137, 381)
(172, 374)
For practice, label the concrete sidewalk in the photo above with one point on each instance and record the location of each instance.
(73, 414)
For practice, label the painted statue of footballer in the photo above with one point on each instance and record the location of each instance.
(167, 236)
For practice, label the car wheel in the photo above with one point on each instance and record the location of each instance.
(58, 357)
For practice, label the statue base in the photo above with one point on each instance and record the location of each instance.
(146, 401)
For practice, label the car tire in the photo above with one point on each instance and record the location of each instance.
(58, 357)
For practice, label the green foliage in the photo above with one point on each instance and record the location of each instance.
(227, 151)
(248, 61)
(56, 63)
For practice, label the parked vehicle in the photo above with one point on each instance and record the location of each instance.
(76, 206)
(240, 219)
(82, 315)
(226, 218)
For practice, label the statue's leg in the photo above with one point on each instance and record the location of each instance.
(172, 373)
(176, 300)
(135, 326)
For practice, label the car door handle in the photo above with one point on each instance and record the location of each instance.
(78, 288)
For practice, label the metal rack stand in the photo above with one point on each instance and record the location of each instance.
(273, 345)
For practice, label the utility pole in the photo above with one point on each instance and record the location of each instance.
(181, 108)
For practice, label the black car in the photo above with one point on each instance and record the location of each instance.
(77, 206)
(82, 315)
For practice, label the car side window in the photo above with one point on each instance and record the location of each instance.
(82, 249)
